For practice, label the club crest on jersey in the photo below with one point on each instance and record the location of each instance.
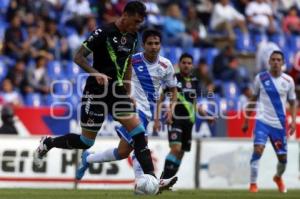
(188, 85)
(123, 40)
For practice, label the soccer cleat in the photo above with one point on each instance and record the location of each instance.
(84, 165)
(253, 188)
(280, 184)
(166, 184)
(40, 152)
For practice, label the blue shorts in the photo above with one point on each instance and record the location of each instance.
(277, 137)
(122, 132)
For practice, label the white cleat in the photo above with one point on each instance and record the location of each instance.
(40, 153)
(166, 184)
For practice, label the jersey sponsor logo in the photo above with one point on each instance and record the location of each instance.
(267, 83)
(140, 68)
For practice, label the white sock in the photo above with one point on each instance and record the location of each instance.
(254, 171)
(280, 169)
(105, 156)
(138, 171)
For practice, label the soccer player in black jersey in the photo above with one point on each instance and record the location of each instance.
(106, 90)
(180, 131)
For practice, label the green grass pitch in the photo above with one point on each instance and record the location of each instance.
(126, 194)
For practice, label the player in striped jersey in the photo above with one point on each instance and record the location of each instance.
(272, 89)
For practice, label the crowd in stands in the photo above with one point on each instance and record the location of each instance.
(38, 39)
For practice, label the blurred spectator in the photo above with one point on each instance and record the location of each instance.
(264, 50)
(37, 79)
(17, 74)
(19, 7)
(295, 74)
(223, 63)
(196, 28)
(291, 23)
(9, 94)
(225, 18)
(241, 5)
(204, 77)
(204, 9)
(75, 40)
(154, 19)
(106, 11)
(8, 124)
(75, 9)
(57, 45)
(37, 41)
(15, 45)
(260, 17)
(174, 29)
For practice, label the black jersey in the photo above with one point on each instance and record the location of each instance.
(112, 51)
(187, 88)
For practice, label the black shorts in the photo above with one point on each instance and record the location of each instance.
(180, 132)
(98, 102)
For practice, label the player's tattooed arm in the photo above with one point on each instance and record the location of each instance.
(80, 58)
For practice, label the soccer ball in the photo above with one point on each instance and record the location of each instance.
(146, 185)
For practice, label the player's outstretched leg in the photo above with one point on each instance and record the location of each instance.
(87, 158)
(68, 141)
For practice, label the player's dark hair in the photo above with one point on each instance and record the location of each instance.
(277, 52)
(150, 32)
(135, 7)
(186, 55)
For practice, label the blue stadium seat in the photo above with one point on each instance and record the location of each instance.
(63, 88)
(230, 90)
(3, 70)
(293, 42)
(49, 100)
(278, 39)
(33, 99)
(55, 70)
(196, 53)
(72, 71)
(172, 53)
(209, 54)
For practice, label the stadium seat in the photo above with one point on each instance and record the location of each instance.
(3, 70)
(33, 99)
(278, 39)
(209, 54)
(172, 53)
(62, 88)
(72, 71)
(230, 90)
(55, 70)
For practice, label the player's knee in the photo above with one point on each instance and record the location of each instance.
(86, 142)
(259, 150)
(282, 159)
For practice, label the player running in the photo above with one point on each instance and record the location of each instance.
(180, 131)
(272, 89)
(149, 71)
(105, 91)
